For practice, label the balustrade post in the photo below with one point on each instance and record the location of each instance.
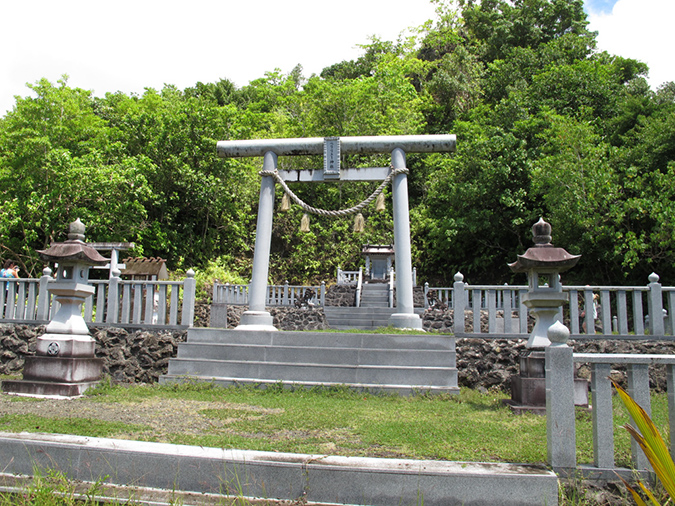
(655, 306)
(112, 314)
(670, 382)
(560, 420)
(603, 426)
(189, 295)
(44, 297)
(638, 389)
(459, 303)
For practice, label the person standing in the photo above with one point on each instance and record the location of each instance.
(9, 270)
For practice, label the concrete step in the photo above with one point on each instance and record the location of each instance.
(343, 318)
(414, 342)
(315, 374)
(318, 355)
(363, 318)
(347, 310)
(375, 303)
(394, 362)
(375, 287)
(375, 295)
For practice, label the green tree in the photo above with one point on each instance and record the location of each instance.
(56, 166)
(200, 206)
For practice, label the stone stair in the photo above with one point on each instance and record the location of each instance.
(374, 311)
(361, 318)
(390, 362)
(375, 295)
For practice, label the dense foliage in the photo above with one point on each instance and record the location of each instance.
(546, 126)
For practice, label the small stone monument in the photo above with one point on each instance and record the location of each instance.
(64, 364)
(543, 264)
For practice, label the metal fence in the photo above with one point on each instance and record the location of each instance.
(115, 301)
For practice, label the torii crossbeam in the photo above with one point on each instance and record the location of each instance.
(257, 318)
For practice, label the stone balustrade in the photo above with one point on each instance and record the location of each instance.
(560, 411)
(277, 295)
(624, 312)
(115, 301)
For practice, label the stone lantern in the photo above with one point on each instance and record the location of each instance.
(64, 363)
(543, 264)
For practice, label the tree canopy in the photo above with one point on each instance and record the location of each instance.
(546, 124)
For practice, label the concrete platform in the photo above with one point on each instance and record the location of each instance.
(316, 479)
(401, 363)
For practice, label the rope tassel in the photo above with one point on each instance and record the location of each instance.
(359, 223)
(304, 223)
(285, 203)
(379, 203)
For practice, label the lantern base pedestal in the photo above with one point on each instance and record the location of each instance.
(46, 388)
(528, 388)
(56, 376)
(65, 345)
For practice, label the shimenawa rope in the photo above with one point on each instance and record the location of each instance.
(341, 212)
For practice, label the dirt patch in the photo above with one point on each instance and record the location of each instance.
(158, 417)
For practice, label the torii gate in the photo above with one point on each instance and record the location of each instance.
(257, 318)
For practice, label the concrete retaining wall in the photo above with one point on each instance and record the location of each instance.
(305, 478)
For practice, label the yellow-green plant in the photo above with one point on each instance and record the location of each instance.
(648, 437)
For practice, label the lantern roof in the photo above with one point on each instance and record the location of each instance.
(543, 255)
(73, 249)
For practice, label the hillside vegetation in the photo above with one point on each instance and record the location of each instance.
(546, 126)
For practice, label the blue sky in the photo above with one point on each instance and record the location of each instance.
(640, 29)
(135, 44)
(604, 6)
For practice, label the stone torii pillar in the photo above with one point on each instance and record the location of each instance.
(257, 318)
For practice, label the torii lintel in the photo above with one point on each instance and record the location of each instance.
(332, 148)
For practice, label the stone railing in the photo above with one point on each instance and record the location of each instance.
(115, 301)
(560, 412)
(359, 287)
(392, 286)
(617, 312)
(348, 277)
(277, 295)
(25, 299)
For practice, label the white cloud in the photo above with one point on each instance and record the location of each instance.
(132, 44)
(640, 29)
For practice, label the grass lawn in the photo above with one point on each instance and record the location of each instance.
(471, 426)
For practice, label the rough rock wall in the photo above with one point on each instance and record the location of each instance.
(285, 318)
(340, 295)
(129, 355)
(143, 356)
